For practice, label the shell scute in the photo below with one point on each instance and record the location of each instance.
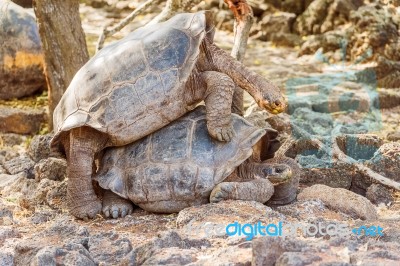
(183, 187)
(167, 49)
(154, 184)
(169, 79)
(170, 144)
(148, 88)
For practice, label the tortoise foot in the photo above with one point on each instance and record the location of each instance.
(115, 206)
(87, 211)
(223, 191)
(222, 133)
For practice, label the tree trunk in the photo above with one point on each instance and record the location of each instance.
(64, 45)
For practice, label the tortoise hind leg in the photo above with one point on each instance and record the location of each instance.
(259, 190)
(80, 146)
(115, 206)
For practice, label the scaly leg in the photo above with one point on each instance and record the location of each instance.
(81, 146)
(218, 100)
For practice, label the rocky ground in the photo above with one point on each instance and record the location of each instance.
(335, 102)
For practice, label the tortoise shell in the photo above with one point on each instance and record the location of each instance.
(179, 164)
(134, 86)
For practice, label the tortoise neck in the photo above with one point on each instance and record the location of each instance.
(218, 60)
(248, 170)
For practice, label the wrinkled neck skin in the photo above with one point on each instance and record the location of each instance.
(249, 170)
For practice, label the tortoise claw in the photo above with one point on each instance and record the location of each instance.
(115, 206)
(224, 133)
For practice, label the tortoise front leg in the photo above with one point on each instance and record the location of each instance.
(218, 100)
(260, 190)
(81, 146)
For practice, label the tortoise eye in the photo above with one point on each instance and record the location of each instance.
(268, 171)
(279, 170)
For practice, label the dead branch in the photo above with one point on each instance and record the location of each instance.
(243, 21)
(109, 32)
(337, 154)
(174, 7)
(171, 8)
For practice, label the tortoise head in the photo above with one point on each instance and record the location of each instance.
(276, 173)
(269, 97)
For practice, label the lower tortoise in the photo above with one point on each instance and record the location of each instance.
(181, 166)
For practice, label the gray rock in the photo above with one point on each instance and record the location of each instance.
(325, 172)
(70, 254)
(39, 148)
(390, 98)
(232, 255)
(21, 121)
(337, 251)
(297, 259)
(378, 253)
(6, 211)
(21, 164)
(221, 213)
(394, 136)
(109, 247)
(40, 195)
(273, 24)
(386, 161)
(172, 256)
(323, 15)
(292, 6)
(7, 232)
(51, 168)
(7, 153)
(171, 240)
(361, 147)
(342, 200)
(329, 41)
(267, 252)
(11, 139)
(378, 193)
(42, 217)
(2, 171)
(7, 258)
(56, 196)
(21, 64)
(6, 180)
(286, 39)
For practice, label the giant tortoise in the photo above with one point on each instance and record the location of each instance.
(181, 166)
(141, 83)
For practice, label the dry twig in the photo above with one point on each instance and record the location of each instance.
(109, 32)
(171, 8)
(174, 7)
(243, 21)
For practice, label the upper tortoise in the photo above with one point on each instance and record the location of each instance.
(141, 83)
